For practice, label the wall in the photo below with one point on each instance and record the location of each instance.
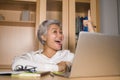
(109, 17)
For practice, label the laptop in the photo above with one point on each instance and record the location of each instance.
(96, 55)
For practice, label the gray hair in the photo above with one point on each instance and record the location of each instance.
(42, 30)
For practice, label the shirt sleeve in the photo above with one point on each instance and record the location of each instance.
(27, 60)
(70, 56)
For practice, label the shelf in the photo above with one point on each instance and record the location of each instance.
(26, 0)
(18, 23)
(82, 7)
(56, 5)
(18, 0)
(83, 1)
(17, 5)
(12, 10)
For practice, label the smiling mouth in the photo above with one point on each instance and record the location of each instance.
(59, 42)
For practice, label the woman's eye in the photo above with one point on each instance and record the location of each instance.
(54, 31)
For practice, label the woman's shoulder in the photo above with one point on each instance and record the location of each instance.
(67, 52)
(28, 55)
(31, 53)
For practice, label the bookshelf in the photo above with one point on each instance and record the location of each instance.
(17, 29)
(14, 11)
(66, 11)
(80, 8)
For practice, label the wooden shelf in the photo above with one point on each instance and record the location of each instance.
(17, 5)
(56, 5)
(18, 0)
(83, 1)
(82, 7)
(26, 0)
(18, 23)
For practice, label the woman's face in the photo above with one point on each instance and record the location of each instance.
(54, 37)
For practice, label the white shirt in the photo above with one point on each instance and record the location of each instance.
(42, 62)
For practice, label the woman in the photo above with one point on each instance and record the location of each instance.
(51, 57)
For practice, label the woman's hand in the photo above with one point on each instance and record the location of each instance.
(89, 24)
(62, 66)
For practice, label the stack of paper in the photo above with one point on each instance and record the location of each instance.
(22, 73)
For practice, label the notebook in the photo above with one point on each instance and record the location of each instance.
(23, 73)
(96, 55)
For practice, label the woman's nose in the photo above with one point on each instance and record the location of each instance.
(60, 34)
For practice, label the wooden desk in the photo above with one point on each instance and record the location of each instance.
(48, 77)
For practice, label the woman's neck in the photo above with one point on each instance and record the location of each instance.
(49, 52)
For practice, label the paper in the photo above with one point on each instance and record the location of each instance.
(23, 73)
(10, 72)
(26, 74)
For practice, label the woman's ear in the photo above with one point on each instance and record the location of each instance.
(43, 37)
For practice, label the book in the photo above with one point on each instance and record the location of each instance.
(26, 74)
(23, 73)
(25, 15)
(9, 72)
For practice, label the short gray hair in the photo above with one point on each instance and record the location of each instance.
(44, 27)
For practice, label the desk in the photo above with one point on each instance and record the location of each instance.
(48, 77)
